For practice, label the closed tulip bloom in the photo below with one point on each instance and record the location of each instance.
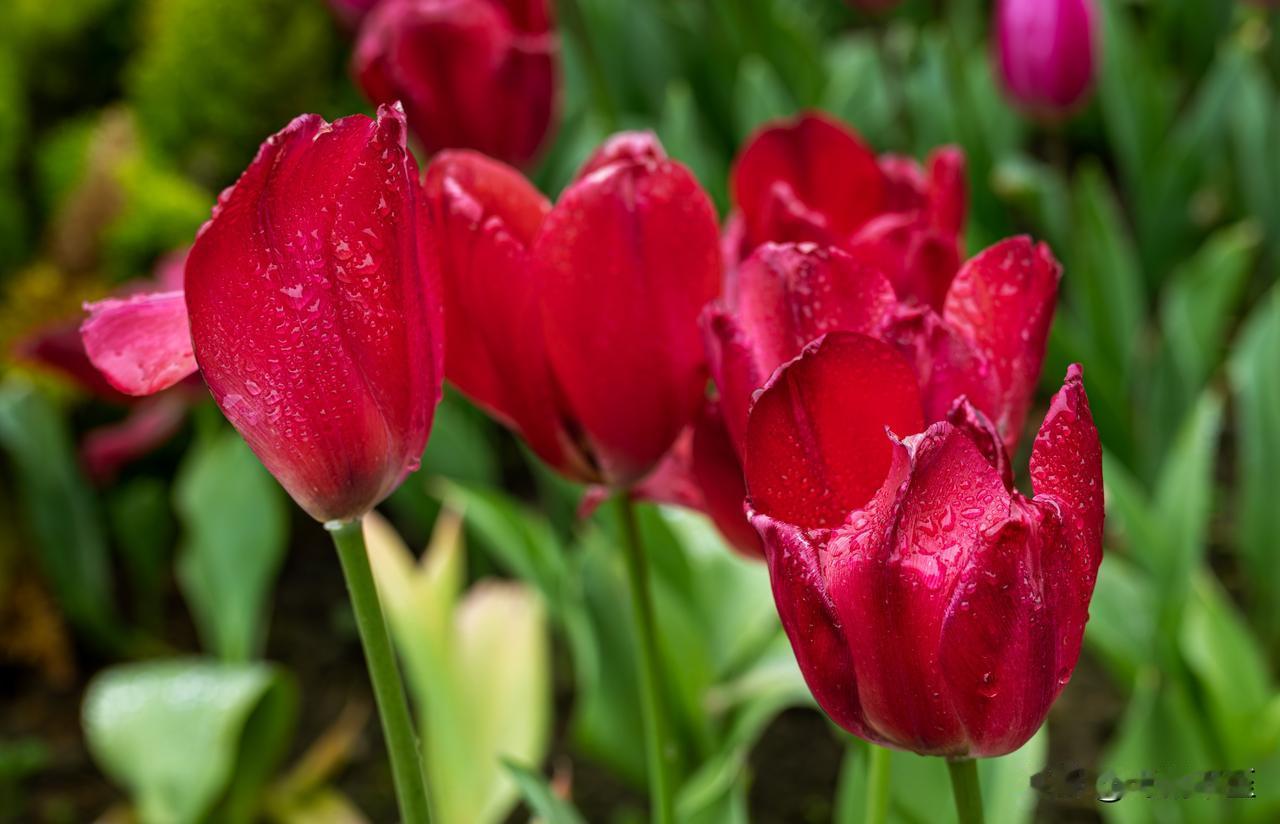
(1046, 51)
(987, 344)
(932, 606)
(813, 179)
(474, 74)
(310, 311)
(577, 324)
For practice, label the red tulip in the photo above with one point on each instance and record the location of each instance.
(813, 179)
(310, 311)
(986, 345)
(476, 74)
(1046, 52)
(577, 325)
(932, 607)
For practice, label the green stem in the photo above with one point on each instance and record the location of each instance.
(877, 785)
(388, 691)
(576, 23)
(965, 787)
(657, 746)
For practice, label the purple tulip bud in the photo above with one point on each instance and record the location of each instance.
(1046, 51)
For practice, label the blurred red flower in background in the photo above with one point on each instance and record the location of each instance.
(473, 74)
(1046, 52)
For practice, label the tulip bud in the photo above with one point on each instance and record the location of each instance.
(477, 74)
(310, 311)
(1046, 52)
(931, 606)
(577, 325)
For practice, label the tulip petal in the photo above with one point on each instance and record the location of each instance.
(624, 147)
(141, 344)
(717, 470)
(483, 218)
(315, 319)
(948, 191)
(809, 619)
(791, 294)
(106, 449)
(628, 259)
(816, 447)
(919, 260)
(1066, 474)
(946, 363)
(893, 594)
(998, 640)
(735, 368)
(825, 169)
(1002, 301)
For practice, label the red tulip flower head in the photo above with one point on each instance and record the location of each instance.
(1046, 51)
(577, 324)
(986, 343)
(932, 607)
(813, 179)
(310, 311)
(473, 74)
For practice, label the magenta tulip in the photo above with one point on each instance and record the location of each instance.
(1046, 52)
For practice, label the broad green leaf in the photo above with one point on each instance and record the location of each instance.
(67, 538)
(1255, 382)
(461, 444)
(541, 799)
(1122, 618)
(1231, 669)
(478, 667)
(187, 736)
(682, 133)
(1255, 131)
(235, 532)
(1183, 501)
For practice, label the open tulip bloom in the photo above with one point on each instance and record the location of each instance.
(314, 320)
(931, 605)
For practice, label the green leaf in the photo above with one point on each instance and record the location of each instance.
(1255, 382)
(1182, 504)
(541, 799)
(1121, 624)
(66, 530)
(759, 95)
(856, 90)
(235, 526)
(185, 736)
(478, 665)
(1231, 669)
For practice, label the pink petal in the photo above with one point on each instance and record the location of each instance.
(628, 258)
(141, 344)
(1002, 301)
(816, 448)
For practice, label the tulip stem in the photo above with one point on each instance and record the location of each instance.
(877, 785)
(388, 690)
(657, 747)
(965, 787)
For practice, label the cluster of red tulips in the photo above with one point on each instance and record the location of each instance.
(827, 377)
